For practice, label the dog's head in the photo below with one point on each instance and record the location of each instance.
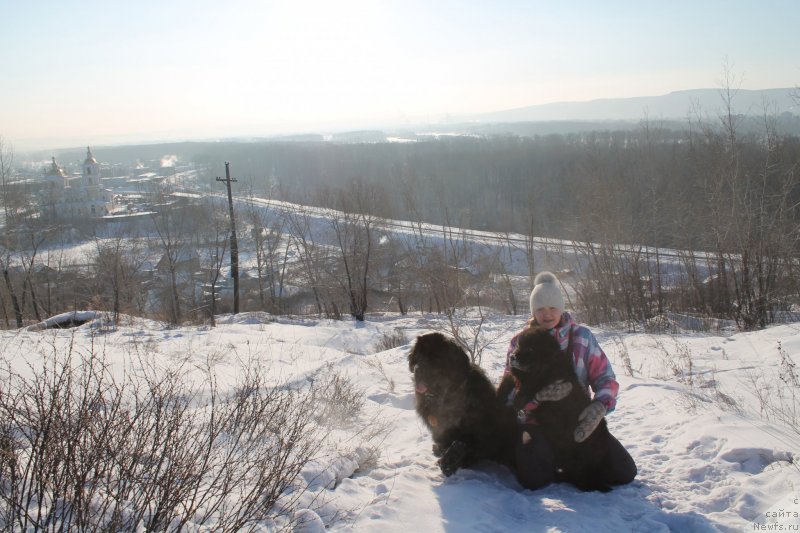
(538, 361)
(437, 362)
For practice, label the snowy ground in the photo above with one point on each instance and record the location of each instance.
(692, 415)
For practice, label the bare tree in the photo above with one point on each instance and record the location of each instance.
(500, 263)
(354, 232)
(272, 246)
(217, 238)
(35, 238)
(530, 249)
(313, 258)
(6, 170)
(5, 264)
(170, 226)
(754, 212)
(397, 277)
(117, 263)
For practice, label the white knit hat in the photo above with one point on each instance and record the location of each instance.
(546, 292)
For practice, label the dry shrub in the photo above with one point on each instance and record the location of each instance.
(389, 340)
(81, 450)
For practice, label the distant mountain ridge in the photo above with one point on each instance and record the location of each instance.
(670, 110)
(675, 105)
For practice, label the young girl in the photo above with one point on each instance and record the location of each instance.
(535, 463)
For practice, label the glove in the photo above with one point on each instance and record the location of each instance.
(558, 390)
(588, 420)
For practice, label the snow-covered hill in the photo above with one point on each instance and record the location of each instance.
(699, 414)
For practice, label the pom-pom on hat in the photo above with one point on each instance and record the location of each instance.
(546, 292)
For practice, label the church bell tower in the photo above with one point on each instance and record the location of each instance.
(91, 170)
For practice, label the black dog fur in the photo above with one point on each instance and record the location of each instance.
(458, 404)
(540, 355)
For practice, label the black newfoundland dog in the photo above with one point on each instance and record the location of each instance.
(458, 404)
(537, 362)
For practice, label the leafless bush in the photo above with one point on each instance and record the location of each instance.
(788, 369)
(660, 324)
(618, 282)
(389, 340)
(375, 363)
(337, 398)
(624, 355)
(81, 450)
(353, 447)
(672, 361)
(466, 331)
(779, 393)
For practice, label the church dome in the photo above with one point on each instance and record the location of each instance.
(89, 157)
(56, 170)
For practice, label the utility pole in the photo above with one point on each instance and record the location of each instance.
(234, 245)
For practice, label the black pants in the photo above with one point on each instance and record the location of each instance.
(536, 466)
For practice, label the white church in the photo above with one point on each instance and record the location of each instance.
(66, 197)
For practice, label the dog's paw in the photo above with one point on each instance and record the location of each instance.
(453, 458)
(437, 450)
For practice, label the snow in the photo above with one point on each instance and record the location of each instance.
(694, 416)
(64, 320)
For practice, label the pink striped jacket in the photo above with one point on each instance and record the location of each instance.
(591, 364)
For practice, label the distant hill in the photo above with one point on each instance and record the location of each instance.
(669, 111)
(675, 105)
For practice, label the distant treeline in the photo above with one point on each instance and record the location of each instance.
(646, 183)
(648, 186)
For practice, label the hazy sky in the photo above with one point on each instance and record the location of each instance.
(95, 72)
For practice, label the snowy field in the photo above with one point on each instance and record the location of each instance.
(698, 414)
